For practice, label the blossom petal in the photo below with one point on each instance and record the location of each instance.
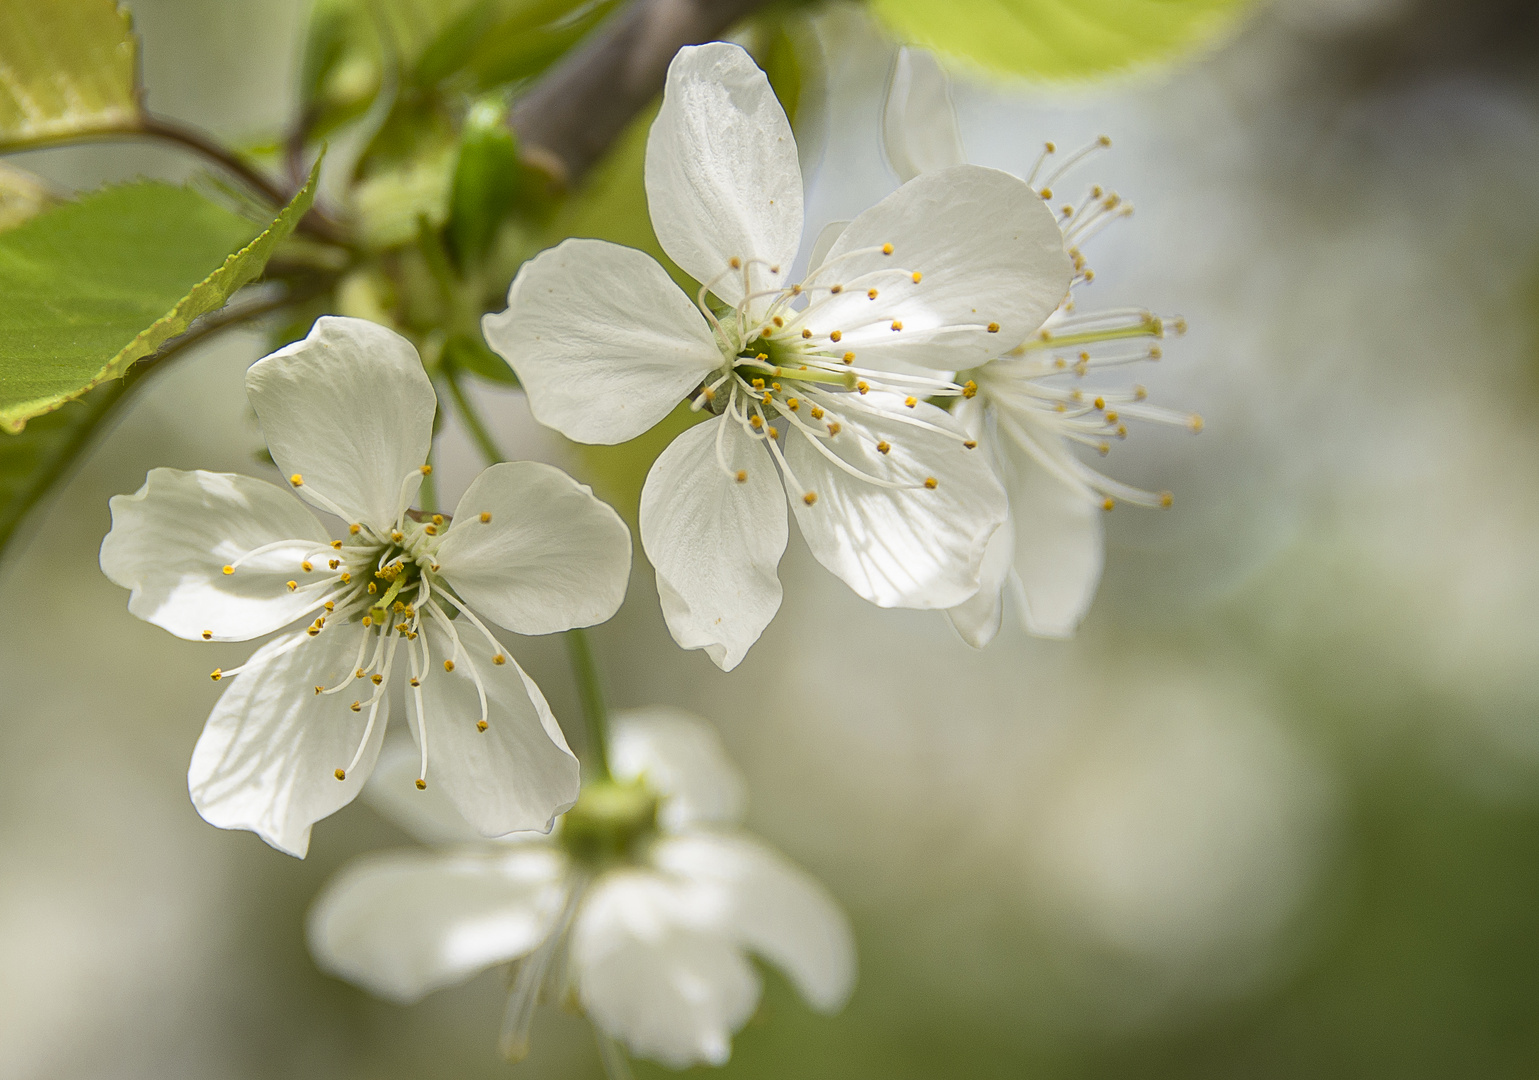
(722, 176)
(429, 815)
(602, 340)
(518, 774)
(986, 251)
(533, 549)
(913, 546)
(714, 541)
(773, 907)
(350, 410)
(405, 923)
(682, 759)
(655, 971)
(977, 620)
(171, 539)
(919, 122)
(268, 756)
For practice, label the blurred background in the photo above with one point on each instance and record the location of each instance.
(1273, 813)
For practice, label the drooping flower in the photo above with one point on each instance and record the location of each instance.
(348, 417)
(1032, 408)
(639, 909)
(817, 389)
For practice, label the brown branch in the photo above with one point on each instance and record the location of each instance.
(575, 113)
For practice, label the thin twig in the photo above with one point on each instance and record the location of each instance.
(473, 422)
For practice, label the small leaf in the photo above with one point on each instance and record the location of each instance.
(92, 286)
(66, 66)
(1058, 39)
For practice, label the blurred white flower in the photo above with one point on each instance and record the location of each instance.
(640, 909)
(1030, 409)
(817, 388)
(348, 417)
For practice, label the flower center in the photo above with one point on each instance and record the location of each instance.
(610, 822)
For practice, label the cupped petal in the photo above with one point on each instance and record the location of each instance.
(268, 756)
(772, 907)
(602, 340)
(681, 758)
(656, 971)
(919, 545)
(972, 248)
(919, 122)
(977, 620)
(715, 540)
(722, 176)
(535, 550)
(171, 540)
(825, 243)
(404, 923)
(518, 773)
(350, 411)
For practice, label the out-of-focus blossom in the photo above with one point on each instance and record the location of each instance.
(640, 909)
(348, 416)
(817, 389)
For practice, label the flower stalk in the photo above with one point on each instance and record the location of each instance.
(591, 693)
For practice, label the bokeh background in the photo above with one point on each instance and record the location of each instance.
(1273, 813)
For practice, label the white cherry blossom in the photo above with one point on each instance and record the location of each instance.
(1032, 408)
(640, 909)
(348, 417)
(818, 390)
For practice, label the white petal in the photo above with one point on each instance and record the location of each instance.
(1059, 548)
(715, 542)
(429, 815)
(267, 758)
(350, 410)
(601, 339)
(722, 175)
(549, 557)
(406, 923)
(988, 251)
(827, 235)
(774, 908)
(919, 122)
(910, 547)
(977, 620)
(515, 776)
(682, 758)
(655, 972)
(171, 539)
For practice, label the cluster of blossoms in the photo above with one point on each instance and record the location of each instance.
(913, 398)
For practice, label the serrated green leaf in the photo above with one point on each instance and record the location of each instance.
(66, 66)
(1058, 39)
(92, 286)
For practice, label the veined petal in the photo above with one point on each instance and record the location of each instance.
(534, 550)
(171, 540)
(825, 243)
(915, 546)
(655, 971)
(714, 540)
(977, 620)
(350, 411)
(773, 907)
(722, 176)
(682, 759)
(602, 340)
(515, 776)
(268, 756)
(428, 815)
(404, 923)
(985, 251)
(919, 122)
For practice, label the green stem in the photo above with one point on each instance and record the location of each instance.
(591, 694)
(473, 422)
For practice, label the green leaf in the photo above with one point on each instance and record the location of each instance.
(22, 197)
(66, 66)
(92, 286)
(1058, 39)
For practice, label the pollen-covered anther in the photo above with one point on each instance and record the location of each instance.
(796, 290)
(883, 447)
(397, 535)
(354, 530)
(755, 422)
(297, 480)
(793, 403)
(340, 774)
(931, 483)
(332, 564)
(886, 249)
(438, 519)
(319, 690)
(481, 725)
(306, 567)
(969, 389)
(421, 785)
(835, 336)
(735, 263)
(356, 706)
(1111, 416)
(416, 683)
(228, 569)
(917, 276)
(810, 498)
(897, 324)
(485, 518)
(216, 674)
(292, 585)
(431, 530)
(872, 294)
(834, 427)
(448, 665)
(911, 401)
(817, 413)
(368, 620)
(330, 605)
(337, 544)
(742, 476)
(806, 333)
(1108, 503)
(774, 432)
(970, 444)
(848, 358)
(345, 578)
(1195, 423)
(757, 384)
(778, 321)
(993, 328)
(863, 386)
(1166, 499)
(500, 659)
(1100, 402)
(359, 673)
(208, 635)
(1046, 193)
(836, 289)
(1103, 449)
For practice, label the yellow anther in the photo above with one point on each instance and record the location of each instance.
(1166, 498)
(431, 530)
(368, 620)
(499, 659)
(806, 333)
(228, 569)
(297, 480)
(216, 674)
(421, 785)
(742, 476)
(793, 404)
(305, 566)
(917, 276)
(373, 588)
(376, 679)
(836, 288)
(1089, 275)
(313, 631)
(340, 774)
(337, 544)
(897, 325)
(485, 517)
(735, 263)
(1100, 402)
(757, 384)
(319, 690)
(1196, 422)
(354, 530)
(835, 336)
(1156, 353)
(833, 427)
(1108, 503)
(448, 665)
(1103, 140)
(356, 706)
(774, 432)
(863, 386)
(397, 535)
(810, 498)
(416, 682)
(817, 413)
(755, 422)
(774, 386)
(401, 627)
(1103, 449)
(358, 673)
(970, 444)
(761, 357)
(1122, 431)
(1051, 148)
(332, 564)
(778, 321)
(911, 401)
(931, 483)
(1046, 193)
(849, 358)
(345, 578)
(1111, 416)
(480, 725)
(433, 567)
(292, 585)
(886, 249)
(871, 294)
(993, 328)
(883, 446)
(330, 606)
(208, 635)
(438, 519)
(425, 470)
(969, 389)
(796, 290)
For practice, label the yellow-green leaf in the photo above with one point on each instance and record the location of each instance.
(1058, 39)
(66, 66)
